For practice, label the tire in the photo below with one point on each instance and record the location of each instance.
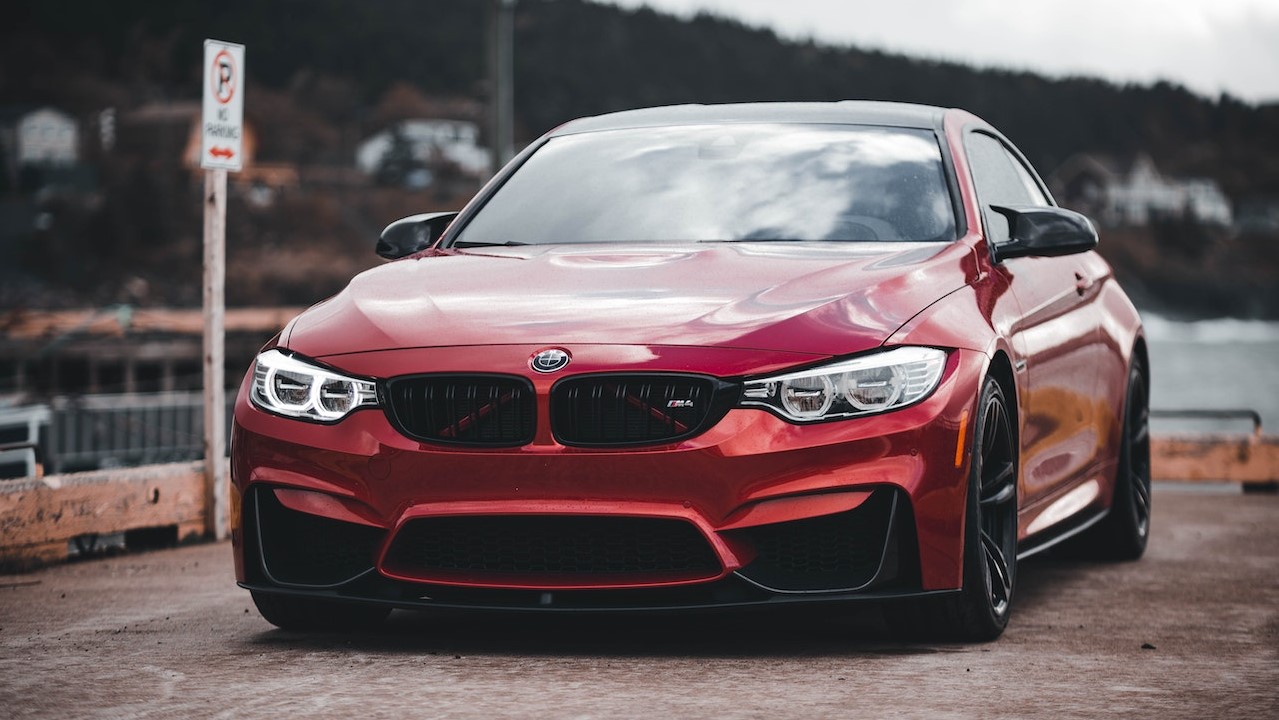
(1123, 534)
(979, 611)
(289, 612)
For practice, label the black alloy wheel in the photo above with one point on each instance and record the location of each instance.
(1125, 531)
(1134, 456)
(979, 611)
(995, 467)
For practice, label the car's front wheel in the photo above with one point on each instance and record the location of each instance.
(980, 610)
(290, 612)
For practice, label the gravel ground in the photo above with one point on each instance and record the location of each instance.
(1191, 631)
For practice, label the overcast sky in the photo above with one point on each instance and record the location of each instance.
(1210, 46)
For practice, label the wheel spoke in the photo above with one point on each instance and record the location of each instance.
(1000, 488)
(1138, 451)
(1141, 434)
(1001, 477)
(1140, 493)
(1001, 585)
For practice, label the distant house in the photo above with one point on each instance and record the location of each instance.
(37, 146)
(1136, 193)
(429, 142)
(43, 136)
(1258, 215)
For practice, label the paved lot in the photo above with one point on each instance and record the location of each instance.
(167, 634)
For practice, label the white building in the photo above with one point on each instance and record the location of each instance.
(43, 137)
(1137, 194)
(454, 141)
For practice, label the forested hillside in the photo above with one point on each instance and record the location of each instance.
(317, 70)
(575, 58)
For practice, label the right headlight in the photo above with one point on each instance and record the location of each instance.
(862, 386)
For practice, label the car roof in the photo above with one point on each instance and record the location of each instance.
(847, 112)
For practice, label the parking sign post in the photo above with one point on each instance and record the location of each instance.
(221, 128)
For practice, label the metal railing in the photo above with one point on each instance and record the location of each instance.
(92, 432)
(20, 428)
(1186, 414)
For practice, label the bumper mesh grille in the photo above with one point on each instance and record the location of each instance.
(545, 546)
(633, 409)
(472, 410)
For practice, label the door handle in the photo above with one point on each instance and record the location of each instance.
(1082, 283)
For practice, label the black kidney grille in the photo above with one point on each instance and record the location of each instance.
(550, 545)
(475, 410)
(630, 409)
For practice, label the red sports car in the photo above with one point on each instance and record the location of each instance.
(703, 357)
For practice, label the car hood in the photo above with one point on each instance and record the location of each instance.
(817, 298)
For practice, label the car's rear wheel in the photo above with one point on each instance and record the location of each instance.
(979, 612)
(290, 612)
(1123, 534)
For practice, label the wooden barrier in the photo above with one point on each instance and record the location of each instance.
(1252, 460)
(39, 517)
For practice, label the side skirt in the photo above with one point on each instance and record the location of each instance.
(1064, 531)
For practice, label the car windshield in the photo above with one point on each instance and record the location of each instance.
(723, 183)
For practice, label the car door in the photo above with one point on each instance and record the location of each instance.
(1057, 336)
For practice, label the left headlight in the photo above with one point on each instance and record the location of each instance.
(861, 386)
(287, 385)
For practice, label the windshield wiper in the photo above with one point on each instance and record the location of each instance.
(463, 244)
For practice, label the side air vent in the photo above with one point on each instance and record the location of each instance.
(303, 549)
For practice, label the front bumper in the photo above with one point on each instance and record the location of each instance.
(754, 511)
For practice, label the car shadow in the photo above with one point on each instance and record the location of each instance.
(857, 629)
(722, 634)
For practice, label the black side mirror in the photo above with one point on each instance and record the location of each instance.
(413, 234)
(1044, 232)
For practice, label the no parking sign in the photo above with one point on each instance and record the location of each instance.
(222, 122)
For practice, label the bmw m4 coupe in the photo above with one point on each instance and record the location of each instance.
(703, 357)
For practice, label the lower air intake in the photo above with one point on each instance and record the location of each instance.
(551, 549)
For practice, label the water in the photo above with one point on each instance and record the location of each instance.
(1215, 364)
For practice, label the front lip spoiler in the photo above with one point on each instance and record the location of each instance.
(424, 603)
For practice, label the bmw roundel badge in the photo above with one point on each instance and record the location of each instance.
(549, 360)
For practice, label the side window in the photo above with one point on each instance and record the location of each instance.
(1000, 180)
(1037, 196)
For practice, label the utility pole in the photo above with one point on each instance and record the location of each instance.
(221, 149)
(501, 55)
(215, 491)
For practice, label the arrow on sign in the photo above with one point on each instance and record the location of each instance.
(222, 152)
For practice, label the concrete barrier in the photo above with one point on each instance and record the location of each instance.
(40, 516)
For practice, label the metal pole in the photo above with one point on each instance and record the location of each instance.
(501, 41)
(215, 481)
